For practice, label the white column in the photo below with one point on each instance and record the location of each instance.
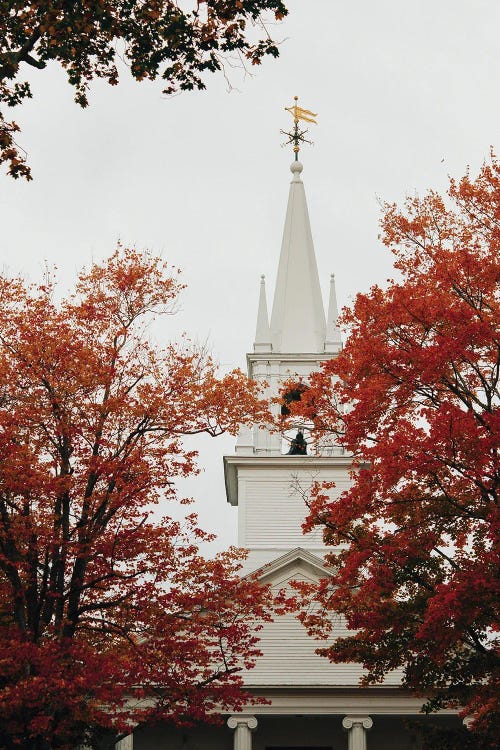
(243, 727)
(357, 726)
(127, 743)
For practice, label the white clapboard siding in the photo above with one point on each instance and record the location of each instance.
(288, 653)
(274, 514)
(289, 659)
(275, 517)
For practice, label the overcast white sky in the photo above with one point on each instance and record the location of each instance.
(407, 94)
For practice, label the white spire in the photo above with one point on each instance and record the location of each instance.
(333, 341)
(298, 317)
(262, 333)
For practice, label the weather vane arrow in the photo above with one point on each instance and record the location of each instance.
(297, 136)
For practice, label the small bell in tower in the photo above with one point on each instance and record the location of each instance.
(298, 446)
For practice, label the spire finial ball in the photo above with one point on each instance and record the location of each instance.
(296, 166)
(262, 277)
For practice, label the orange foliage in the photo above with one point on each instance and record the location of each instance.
(110, 617)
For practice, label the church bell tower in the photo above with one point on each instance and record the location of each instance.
(262, 478)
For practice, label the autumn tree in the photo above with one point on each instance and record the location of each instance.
(109, 615)
(178, 43)
(414, 397)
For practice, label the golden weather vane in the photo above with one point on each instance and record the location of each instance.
(297, 136)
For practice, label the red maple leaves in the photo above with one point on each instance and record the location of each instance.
(415, 398)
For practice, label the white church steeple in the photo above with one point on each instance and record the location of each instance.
(298, 317)
(298, 338)
(295, 343)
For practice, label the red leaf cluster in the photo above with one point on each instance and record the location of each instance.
(415, 398)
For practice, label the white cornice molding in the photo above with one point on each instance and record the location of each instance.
(234, 463)
(288, 357)
(347, 701)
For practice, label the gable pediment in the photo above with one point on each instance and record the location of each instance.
(297, 563)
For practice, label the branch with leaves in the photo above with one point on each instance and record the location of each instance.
(156, 39)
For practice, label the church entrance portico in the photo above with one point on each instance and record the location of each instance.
(337, 731)
(297, 732)
(253, 731)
